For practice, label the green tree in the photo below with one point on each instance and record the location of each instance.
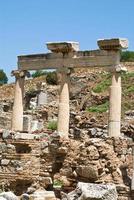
(3, 77)
(127, 56)
(38, 73)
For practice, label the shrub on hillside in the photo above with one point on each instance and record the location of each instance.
(99, 108)
(51, 78)
(52, 125)
(127, 56)
(3, 77)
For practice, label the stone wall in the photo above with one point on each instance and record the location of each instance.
(19, 162)
(30, 161)
(92, 160)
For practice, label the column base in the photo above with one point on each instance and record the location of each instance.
(114, 129)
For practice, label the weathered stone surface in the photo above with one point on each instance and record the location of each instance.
(27, 122)
(99, 192)
(64, 47)
(43, 195)
(34, 125)
(42, 98)
(88, 172)
(5, 162)
(92, 152)
(9, 196)
(6, 134)
(89, 191)
(26, 136)
(46, 181)
(25, 196)
(113, 44)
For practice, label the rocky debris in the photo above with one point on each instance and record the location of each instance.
(89, 191)
(87, 172)
(8, 196)
(66, 162)
(42, 194)
(123, 192)
(97, 160)
(128, 130)
(25, 196)
(89, 155)
(7, 134)
(5, 120)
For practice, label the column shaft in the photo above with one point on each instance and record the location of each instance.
(115, 106)
(63, 113)
(17, 115)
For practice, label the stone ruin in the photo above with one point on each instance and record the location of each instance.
(31, 163)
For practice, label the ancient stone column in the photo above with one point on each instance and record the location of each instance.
(115, 105)
(115, 45)
(17, 114)
(63, 112)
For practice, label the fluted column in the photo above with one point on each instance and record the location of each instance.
(115, 45)
(17, 114)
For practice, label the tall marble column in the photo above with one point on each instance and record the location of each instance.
(17, 114)
(115, 105)
(63, 111)
(115, 46)
(64, 49)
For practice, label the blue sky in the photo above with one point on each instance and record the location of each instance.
(26, 25)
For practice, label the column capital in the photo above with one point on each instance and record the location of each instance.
(113, 44)
(63, 47)
(20, 73)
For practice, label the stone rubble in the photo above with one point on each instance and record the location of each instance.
(90, 191)
(29, 161)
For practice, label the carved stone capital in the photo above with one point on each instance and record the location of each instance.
(113, 44)
(63, 47)
(20, 73)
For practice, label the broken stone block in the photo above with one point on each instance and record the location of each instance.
(6, 134)
(92, 152)
(9, 196)
(42, 195)
(40, 125)
(27, 123)
(3, 148)
(62, 150)
(87, 172)
(63, 47)
(46, 181)
(10, 148)
(97, 191)
(26, 136)
(34, 125)
(31, 190)
(42, 99)
(5, 162)
(25, 196)
(90, 191)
